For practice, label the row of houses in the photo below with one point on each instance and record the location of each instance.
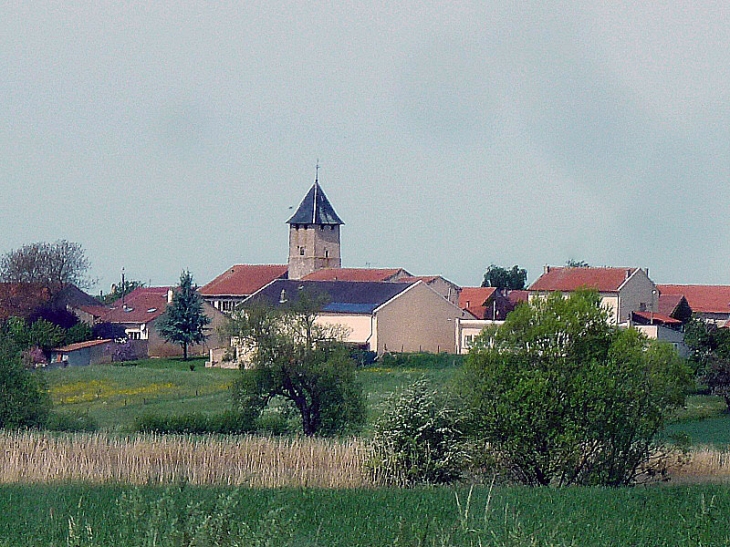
(392, 310)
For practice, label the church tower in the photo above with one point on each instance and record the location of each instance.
(314, 235)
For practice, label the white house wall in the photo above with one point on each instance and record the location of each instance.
(418, 319)
(358, 326)
(638, 293)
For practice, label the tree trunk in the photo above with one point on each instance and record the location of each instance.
(185, 351)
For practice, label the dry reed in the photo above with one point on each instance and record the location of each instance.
(34, 457)
(250, 461)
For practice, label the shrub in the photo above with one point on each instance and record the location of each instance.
(225, 423)
(420, 360)
(418, 440)
(71, 422)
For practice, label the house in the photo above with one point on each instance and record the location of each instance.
(449, 290)
(708, 302)
(674, 306)
(379, 316)
(239, 282)
(138, 312)
(622, 290)
(93, 352)
(490, 302)
(658, 326)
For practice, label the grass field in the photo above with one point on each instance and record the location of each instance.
(113, 396)
(186, 515)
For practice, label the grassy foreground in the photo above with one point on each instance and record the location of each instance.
(187, 515)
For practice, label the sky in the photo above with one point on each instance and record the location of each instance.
(451, 135)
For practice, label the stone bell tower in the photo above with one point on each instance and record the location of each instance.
(314, 235)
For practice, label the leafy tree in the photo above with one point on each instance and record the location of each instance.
(561, 397)
(290, 356)
(52, 265)
(184, 322)
(502, 278)
(24, 401)
(710, 356)
(41, 334)
(572, 263)
(118, 291)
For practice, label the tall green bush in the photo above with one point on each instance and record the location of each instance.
(561, 397)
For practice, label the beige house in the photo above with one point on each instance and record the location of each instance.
(622, 290)
(378, 316)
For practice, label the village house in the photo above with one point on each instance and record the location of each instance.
(710, 303)
(622, 290)
(138, 312)
(377, 316)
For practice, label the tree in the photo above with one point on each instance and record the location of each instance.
(291, 356)
(52, 265)
(24, 401)
(499, 277)
(184, 322)
(561, 397)
(118, 291)
(573, 263)
(710, 356)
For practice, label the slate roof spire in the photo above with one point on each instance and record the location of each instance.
(315, 208)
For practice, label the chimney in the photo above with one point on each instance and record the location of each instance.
(546, 269)
(170, 293)
(628, 273)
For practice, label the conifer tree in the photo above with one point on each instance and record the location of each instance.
(184, 322)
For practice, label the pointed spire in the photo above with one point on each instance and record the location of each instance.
(315, 208)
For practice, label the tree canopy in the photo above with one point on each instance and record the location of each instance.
(502, 278)
(24, 401)
(52, 265)
(289, 355)
(562, 397)
(184, 322)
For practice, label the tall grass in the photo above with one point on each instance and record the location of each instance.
(148, 459)
(253, 461)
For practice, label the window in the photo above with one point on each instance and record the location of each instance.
(134, 335)
(326, 253)
(301, 251)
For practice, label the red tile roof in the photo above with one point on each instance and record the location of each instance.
(244, 279)
(425, 278)
(82, 345)
(570, 279)
(517, 297)
(140, 306)
(472, 299)
(668, 303)
(701, 298)
(658, 318)
(357, 274)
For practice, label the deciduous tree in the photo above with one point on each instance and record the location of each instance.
(291, 356)
(52, 265)
(502, 278)
(561, 397)
(184, 322)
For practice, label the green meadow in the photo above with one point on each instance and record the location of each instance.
(504, 516)
(78, 514)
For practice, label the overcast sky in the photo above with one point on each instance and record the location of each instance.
(450, 135)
